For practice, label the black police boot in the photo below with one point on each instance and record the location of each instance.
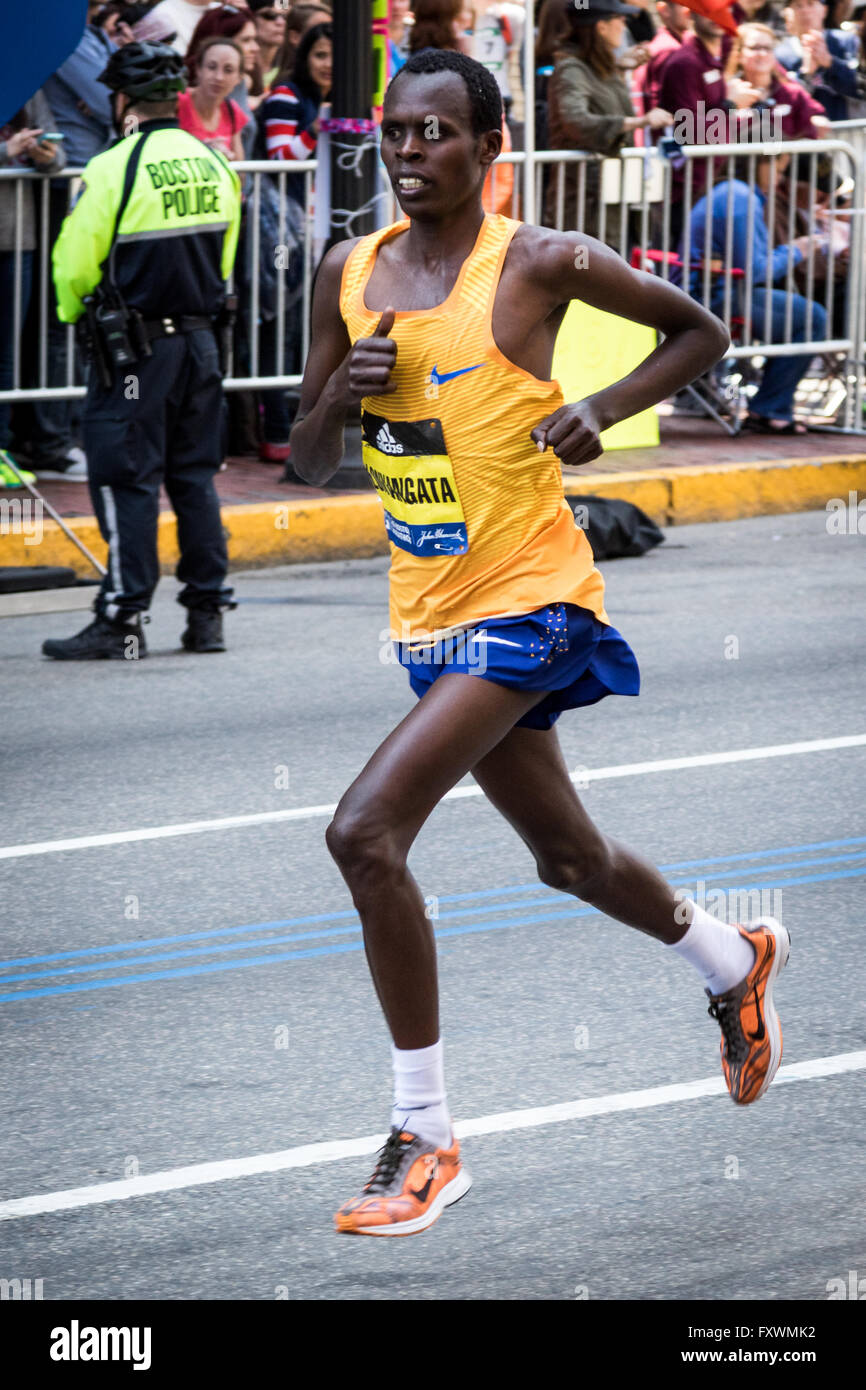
(204, 631)
(105, 639)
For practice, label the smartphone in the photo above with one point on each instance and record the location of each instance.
(54, 136)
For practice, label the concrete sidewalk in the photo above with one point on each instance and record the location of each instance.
(697, 473)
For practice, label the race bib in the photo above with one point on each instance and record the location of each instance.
(412, 473)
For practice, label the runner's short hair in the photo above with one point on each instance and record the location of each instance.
(485, 99)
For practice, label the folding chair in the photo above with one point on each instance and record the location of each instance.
(719, 393)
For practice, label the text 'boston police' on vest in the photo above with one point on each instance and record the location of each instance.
(183, 201)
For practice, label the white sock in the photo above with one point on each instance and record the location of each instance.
(718, 951)
(419, 1093)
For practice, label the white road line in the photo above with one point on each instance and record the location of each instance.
(310, 1155)
(162, 832)
(582, 777)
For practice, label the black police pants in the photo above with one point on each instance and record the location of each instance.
(159, 423)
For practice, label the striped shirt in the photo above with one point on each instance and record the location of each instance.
(288, 116)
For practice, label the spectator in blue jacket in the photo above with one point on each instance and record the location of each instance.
(823, 60)
(81, 107)
(23, 146)
(772, 407)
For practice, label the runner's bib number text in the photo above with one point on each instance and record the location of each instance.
(413, 475)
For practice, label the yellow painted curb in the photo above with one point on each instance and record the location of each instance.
(265, 533)
(764, 489)
(328, 528)
(649, 491)
(350, 527)
(729, 491)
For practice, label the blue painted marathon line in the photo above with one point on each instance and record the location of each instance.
(353, 927)
(169, 940)
(754, 855)
(342, 948)
(350, 916)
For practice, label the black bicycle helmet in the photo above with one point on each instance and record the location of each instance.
(145, 71)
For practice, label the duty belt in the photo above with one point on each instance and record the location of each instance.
(180, 323)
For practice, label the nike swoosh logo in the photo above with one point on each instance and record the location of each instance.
(439, 378)
(500, 641)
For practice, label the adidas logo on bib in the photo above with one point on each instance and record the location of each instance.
(387, 443)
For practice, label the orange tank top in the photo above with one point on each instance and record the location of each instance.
(476, 516)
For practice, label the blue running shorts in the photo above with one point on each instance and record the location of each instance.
(561, 648)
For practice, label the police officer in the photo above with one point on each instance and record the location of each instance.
(143, 259)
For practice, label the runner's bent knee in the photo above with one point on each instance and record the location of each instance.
(362, 842)
(576, 869)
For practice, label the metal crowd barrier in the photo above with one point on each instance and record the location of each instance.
(626, 200)
(60, 375)
(854, 133)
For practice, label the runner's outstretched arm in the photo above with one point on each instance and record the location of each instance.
(337, 375)
(573, 266)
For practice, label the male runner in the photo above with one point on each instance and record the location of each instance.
(444, 329)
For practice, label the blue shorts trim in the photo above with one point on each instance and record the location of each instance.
(561, 649)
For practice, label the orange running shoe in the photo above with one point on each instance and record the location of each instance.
(751, 1033)
(411, 1186)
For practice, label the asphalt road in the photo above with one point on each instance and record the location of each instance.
(137, 1052)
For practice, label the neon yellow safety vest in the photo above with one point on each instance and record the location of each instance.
(173, 247)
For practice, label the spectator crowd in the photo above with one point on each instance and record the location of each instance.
(608, 76)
